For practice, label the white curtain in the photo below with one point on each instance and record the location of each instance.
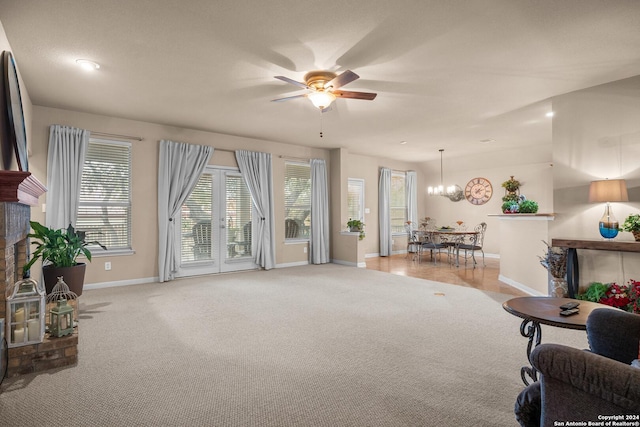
(412, 198)
(319, 244)
(65, 160)
(256, 171)
(384, 195)
(180, 166)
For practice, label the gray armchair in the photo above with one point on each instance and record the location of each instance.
(579, 385)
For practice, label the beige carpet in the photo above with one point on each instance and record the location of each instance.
(306, 346)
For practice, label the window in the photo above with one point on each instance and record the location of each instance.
(104, 208)
(355, 198)
(297, 200)
(398, 202)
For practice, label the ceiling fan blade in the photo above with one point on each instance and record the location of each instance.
(289, 97)
(355, 95)
(341, 80)
(293, 82)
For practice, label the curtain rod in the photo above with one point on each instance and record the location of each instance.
(113, 135)
(294, 158)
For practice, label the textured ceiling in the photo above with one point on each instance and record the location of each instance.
(448, 73)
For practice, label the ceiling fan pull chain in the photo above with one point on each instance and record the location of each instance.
(321, 124)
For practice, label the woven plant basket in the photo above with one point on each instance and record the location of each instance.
(636, 235)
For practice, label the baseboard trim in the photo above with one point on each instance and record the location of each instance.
(349, 263)
(100, 285)
(520, 286)
(292, 264)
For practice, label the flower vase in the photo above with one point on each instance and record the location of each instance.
(558, 287)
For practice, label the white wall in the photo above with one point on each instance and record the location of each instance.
(531, 166)
(596, 135)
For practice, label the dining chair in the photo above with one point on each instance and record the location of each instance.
(432, 243)
(202, 240)
(474, 244)
(413, 244)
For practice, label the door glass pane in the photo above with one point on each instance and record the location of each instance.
(238, 217)
(297, 200)
(196, 222)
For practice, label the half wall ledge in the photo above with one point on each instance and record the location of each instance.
(520, 246)
(526, 216)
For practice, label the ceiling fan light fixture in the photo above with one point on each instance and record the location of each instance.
(88, 65)
(321, 99)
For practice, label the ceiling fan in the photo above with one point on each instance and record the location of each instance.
(323, 86)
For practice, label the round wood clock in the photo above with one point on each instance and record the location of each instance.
(478, 191)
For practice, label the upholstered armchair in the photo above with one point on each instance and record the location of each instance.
(581, 385)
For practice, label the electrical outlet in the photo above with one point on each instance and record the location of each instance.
(304, 249)
(107, 265)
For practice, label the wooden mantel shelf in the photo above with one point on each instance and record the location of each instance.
(21, 187)
(599, 245)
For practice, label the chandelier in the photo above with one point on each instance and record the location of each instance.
(453, 192)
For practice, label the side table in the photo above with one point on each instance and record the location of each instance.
(538, 311)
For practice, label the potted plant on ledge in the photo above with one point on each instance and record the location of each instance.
(632, 225)
(59, 251)
(355, 225)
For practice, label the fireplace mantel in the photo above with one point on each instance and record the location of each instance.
(20, 187)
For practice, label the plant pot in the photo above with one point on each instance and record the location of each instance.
(72, 276)
(636, 235)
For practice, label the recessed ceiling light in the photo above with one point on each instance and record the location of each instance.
(403, 142)
(487, 141)
(87, 65)
(550, 114)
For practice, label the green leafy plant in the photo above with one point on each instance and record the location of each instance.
(510, 206)
(356, 225)
(528, 206)
(511, 184)
(631, 223)
(59, 248)
(594, 292)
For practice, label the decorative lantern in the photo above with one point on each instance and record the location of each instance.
(25, 309)
(61, 323)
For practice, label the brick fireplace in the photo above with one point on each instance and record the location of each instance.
(18, 192)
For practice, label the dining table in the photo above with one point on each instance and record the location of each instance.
(454, 236)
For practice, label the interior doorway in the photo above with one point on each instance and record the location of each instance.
(216, 225)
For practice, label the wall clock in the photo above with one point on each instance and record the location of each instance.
(478, 191)
(13, 100)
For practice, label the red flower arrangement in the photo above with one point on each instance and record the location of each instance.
(625, 297)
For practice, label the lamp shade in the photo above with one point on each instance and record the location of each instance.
(321, 99)
(608, 190)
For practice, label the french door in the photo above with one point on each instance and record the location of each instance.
(215, 225)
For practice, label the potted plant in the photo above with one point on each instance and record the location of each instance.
(59, 250)
(632, 225)
(511, 186)
(355, 225)
(510, 206)
(528, 206)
